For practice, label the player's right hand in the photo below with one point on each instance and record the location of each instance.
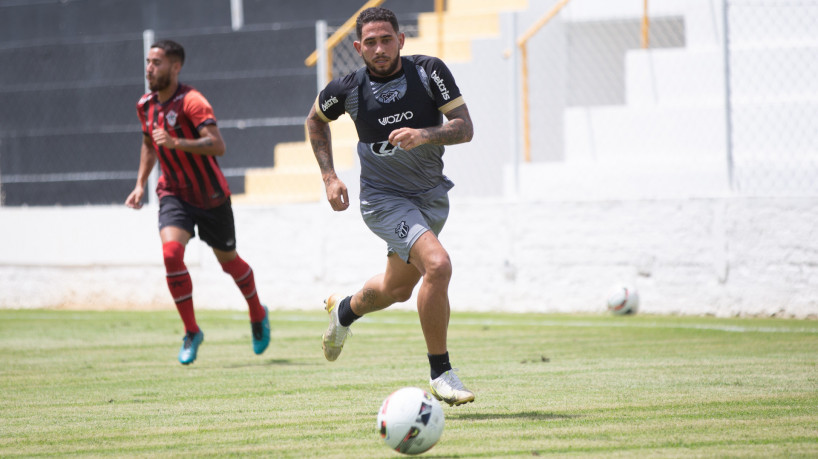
(134, 200)
(337, 194)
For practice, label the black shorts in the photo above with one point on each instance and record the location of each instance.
(216, 225)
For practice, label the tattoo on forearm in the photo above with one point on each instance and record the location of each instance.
(458, 129)
(319, 134)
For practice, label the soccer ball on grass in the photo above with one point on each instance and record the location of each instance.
(410, 420)
(623, 299)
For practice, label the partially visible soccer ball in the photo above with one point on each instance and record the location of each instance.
(623, 299)
(410, 420)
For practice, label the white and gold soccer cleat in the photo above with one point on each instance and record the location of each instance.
(334, 337)
(448, 388)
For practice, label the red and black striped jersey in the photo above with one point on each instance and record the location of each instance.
(196, 179)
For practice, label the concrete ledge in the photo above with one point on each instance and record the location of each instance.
(714, 256)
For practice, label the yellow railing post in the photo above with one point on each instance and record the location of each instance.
(522, 43)
(526, 116)
(439, 9)
(339, 35)
(645, 26)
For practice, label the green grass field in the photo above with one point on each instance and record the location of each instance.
(108, 384)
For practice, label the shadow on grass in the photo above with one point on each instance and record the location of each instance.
(272, 362)
(530, 415)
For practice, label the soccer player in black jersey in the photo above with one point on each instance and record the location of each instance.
(397, 104)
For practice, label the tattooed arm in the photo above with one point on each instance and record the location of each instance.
(458, 129)
(321, 141)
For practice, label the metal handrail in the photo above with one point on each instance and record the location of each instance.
(645, 26)
(522, 43)
(338, 36)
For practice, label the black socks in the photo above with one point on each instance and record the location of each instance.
(345, 314)
(439, 363)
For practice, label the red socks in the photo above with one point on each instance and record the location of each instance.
(242, 273)
(179, 284)
(181, 287)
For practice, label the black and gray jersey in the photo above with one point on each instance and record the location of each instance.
(416, 97)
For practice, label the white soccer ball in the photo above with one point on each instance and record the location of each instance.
(410, 420)
(623, 299)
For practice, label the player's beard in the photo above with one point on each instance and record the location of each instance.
(159, 82)
(393, 66)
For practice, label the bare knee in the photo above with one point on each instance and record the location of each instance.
(401, 293)
(438, 268)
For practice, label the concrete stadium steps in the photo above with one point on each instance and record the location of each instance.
(295, 176)
(453, 50)
(258, 97)
(463, 22)
(687, 76)
(621, 133)
(245, 50)
(115, 60)
(671, 93)
(286, 185)
(255, 80)
(333, 11)
(21, 21)
(479, 6)
(84, 71)
(663, 76)
(460, 25)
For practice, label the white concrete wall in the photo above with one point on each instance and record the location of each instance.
(717, 256)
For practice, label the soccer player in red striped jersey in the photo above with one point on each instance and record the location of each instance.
(179, 129)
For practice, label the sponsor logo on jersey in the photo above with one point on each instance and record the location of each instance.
(402, 230)
(171, 117)
(329, 103)
(383, 148)
(440, 85)
(396, 118)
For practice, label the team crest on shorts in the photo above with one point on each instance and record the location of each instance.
(402, 230)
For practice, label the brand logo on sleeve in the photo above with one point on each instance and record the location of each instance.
(440, 85)
(329, 103)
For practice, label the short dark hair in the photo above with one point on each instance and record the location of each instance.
(172, 49)
(375, 15)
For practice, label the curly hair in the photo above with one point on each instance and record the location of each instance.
(375, 15)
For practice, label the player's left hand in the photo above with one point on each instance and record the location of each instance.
(407, 138)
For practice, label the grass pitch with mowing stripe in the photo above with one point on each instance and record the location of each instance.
(108, 384)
